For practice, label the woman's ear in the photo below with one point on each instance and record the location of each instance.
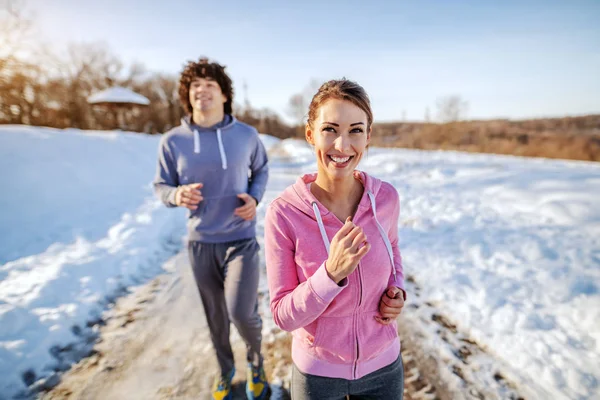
(308, 133)
(369, 135)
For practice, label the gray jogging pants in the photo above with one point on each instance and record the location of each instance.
(386, 383)
(227, 278)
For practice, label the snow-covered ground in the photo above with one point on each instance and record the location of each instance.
(508, 249)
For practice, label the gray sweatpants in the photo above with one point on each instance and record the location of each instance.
(227, 278)
(386, 383)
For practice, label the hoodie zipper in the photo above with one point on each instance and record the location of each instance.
(360, 294)
(357, 349)
(359, 274)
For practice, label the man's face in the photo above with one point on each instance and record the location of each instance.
(206, 95)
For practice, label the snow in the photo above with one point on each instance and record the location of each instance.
(268, 141)
(507, 248)
(118, 94)
(78, 225)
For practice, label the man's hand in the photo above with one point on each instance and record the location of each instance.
(248, 210)
(390, 305)
(189, 196)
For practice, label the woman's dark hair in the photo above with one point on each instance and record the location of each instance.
(205, 69)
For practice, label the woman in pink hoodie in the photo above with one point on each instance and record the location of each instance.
(333, 263)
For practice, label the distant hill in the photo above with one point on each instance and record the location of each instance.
(575, 138)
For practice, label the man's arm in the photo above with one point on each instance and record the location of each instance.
(166, 179)
(259, 171)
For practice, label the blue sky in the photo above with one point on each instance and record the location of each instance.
(512, 59)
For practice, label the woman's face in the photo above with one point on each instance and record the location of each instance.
(340, 137)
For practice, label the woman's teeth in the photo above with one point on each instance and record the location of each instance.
(340, 160)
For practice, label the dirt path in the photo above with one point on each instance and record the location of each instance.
(155, 345)
(454, 362)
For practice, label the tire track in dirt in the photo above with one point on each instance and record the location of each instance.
(458, 365)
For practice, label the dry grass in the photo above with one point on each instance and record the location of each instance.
(575, 138)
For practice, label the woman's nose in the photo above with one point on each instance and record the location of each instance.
(342, 143)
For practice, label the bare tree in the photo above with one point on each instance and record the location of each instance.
(88, 68)
(164, 110)
(297, 108)
(43, 87)
(299, 102)
(15, 28)
(20, 80)
(451, 108)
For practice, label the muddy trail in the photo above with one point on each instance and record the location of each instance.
(154, 344)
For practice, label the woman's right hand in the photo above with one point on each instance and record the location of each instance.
(347, 248)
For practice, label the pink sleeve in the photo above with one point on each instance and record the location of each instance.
(293, 304)
(393, 235)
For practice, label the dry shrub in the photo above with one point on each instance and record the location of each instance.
(575, 138)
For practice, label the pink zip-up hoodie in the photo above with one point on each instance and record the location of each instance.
(334, 330)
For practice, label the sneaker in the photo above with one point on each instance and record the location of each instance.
(257, 387)
(222, 387)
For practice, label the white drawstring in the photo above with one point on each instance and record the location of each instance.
(222, 150)
(196, 142)
(221, 147)
(321, 227)
(384, 235)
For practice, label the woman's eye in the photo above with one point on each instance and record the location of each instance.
(357, 130)
(328, 129)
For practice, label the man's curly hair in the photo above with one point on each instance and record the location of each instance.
(205, 69)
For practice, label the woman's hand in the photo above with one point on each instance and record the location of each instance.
(390, 305)
(347, 248)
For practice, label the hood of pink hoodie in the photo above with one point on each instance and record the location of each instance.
(302, 198)
(299, 196)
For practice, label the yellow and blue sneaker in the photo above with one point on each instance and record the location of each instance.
(222, 387)
(257, 387)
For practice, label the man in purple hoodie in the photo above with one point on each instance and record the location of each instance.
(216, 167)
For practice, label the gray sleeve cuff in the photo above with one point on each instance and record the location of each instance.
(171, 197)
